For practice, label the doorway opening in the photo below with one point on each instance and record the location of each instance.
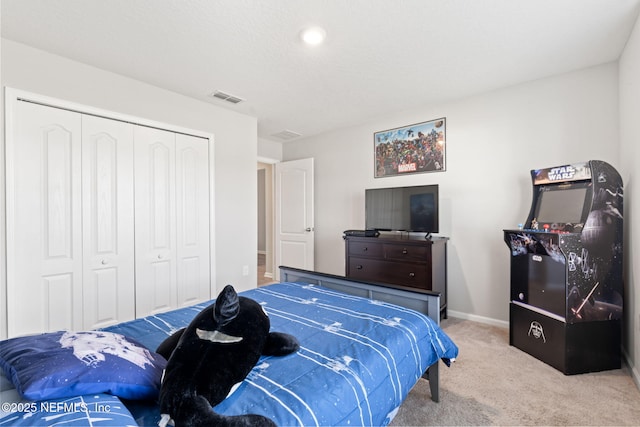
(265, 224)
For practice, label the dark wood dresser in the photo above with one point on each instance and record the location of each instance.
(401, 260)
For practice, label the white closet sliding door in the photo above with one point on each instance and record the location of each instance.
(44, 221)
(192, 215)
(106, 220)
(155, 223)
(107, 200)
(172, 220)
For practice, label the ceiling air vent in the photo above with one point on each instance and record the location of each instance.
(286, 135)
(226, 97)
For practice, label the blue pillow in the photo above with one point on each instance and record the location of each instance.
(65, 364)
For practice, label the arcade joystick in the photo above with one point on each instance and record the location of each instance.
(546, 228)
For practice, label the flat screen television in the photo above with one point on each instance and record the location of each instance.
(413, 209)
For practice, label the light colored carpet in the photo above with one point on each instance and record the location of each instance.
(492, 383)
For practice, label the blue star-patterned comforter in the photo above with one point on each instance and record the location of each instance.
(357, 362)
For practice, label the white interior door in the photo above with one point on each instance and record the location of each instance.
(192, 213)
(107, 232)
(155, 220)
(294, 220)
(44, 220)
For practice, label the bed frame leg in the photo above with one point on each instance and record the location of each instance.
(432, 374)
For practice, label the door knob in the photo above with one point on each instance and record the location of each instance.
(308, 229)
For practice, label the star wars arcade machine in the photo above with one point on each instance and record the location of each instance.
(566, 269)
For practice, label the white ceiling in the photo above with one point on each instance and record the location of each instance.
(380, 56)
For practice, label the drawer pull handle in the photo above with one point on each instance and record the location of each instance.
(404, 251)
(358, 267)
(365, 249)
(412, 274)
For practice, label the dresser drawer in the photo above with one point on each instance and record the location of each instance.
(406, 253)
(369, 249)
(406, 274)
(401, 261)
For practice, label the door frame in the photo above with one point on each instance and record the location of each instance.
(270, 225)
(13, 95)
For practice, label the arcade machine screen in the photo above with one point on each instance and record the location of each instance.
(562, 206)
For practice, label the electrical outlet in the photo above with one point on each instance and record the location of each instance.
(245, 270)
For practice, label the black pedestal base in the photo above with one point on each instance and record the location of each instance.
(571, 348)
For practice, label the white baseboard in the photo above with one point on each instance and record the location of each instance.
(268, 275)
(479, 319)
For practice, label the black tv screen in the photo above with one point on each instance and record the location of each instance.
(402, 209)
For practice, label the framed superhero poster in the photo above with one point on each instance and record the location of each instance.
(411, 149)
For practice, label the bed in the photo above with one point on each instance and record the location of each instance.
(363, 347)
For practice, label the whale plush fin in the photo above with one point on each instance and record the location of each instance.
(227, 306)
(280, 344)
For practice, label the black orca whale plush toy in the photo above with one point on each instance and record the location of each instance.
(216, 351)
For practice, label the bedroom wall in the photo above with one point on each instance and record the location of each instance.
(493, 141)
(235, 140)
(269, 151)
(629, 160)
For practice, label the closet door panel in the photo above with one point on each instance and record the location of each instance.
(155, 241)
(192, 194)
(44, 244)
(108, 220)
(58, 294)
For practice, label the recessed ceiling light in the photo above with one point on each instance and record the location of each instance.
(313, 35)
